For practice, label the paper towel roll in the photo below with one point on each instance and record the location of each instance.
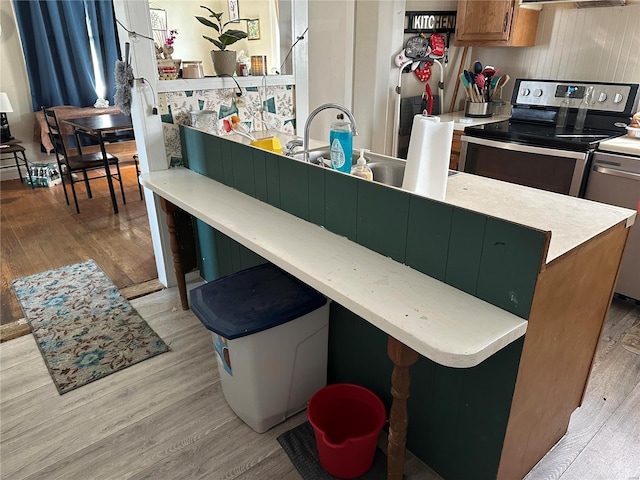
(427, 166)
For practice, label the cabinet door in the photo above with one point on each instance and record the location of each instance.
(482, 21)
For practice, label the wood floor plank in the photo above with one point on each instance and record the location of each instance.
(58, 438)
(276, 466)
(24, 412)
(119, 243)
(147, 441)
(224, 453)
(615, 452)
(166, 418)
(616, 373)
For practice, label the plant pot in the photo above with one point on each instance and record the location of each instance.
(224, 61)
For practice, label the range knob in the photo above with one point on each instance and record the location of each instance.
(617, 98)
(602, 97)
(537, 92)
(525, 92)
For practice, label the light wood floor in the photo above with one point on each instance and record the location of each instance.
(38, 232)
(166, 418)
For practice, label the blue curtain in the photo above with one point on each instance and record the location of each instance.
(57, 49)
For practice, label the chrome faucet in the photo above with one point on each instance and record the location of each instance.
(307, 125)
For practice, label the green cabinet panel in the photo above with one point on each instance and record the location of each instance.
(458, 417)
(193, 146)
(511, 259)
(243, 169)
(428, 236)
(316, 195)
(382, 219)
(294, 187)
(208, 256)
(227, 162)
(465, 249)
(273, 178)
(223, 255)
(248, 258)
(446, 405)
(214, 159)
(260, 171)
(341, 204)
(357, 353)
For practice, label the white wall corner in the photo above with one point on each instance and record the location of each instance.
(134, 15)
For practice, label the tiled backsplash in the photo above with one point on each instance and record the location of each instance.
(259, 108)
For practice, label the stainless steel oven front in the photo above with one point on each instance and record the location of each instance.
(555, 170)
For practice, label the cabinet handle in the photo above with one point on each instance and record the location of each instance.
(504, 22)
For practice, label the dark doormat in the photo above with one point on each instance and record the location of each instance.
(300, 444)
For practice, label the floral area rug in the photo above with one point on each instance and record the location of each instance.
(84, 328)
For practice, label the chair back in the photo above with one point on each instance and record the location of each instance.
(55, 133)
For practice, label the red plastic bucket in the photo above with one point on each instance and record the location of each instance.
(347, 420)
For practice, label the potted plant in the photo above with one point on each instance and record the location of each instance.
(224, 61)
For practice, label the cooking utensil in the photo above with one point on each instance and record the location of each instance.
(467, 86)
(504, 79)
(477, 67)
(481, 82)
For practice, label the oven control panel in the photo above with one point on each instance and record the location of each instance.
(607, 97)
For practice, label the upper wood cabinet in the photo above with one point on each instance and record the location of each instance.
(495, 23)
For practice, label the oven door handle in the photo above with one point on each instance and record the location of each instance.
(617, 173)
(507, 145)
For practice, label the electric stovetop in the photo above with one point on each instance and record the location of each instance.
(541, 135)
(537, 106)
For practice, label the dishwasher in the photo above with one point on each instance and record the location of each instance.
(614, 179)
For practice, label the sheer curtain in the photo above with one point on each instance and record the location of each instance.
(57, 48)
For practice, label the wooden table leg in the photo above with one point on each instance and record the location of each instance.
(402, 357)
(170, 210)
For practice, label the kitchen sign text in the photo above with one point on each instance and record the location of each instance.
(430, 22)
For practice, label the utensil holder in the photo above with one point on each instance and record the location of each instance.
(477, 109)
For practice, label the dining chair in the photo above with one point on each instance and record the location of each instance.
(81, 163)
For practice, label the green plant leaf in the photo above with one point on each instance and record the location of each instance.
(237, 34)
(208, 23)
(215, 42)
(213, 14)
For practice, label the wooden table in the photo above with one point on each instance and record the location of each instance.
(420, 314)
(96, 127)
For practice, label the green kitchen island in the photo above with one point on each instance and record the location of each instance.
(448, 288)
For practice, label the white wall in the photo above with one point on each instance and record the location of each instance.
(591, 44)
(330, 42)
(189, 44)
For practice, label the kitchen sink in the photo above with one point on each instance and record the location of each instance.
(386, 170)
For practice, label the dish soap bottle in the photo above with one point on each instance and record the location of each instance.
(361, 169)
(341, 145)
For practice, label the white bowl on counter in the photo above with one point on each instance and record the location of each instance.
(633, 132)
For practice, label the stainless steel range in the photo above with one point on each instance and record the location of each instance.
(545, 144)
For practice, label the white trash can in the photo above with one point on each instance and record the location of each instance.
(270, 333)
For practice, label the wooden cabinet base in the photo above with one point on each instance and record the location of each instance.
(570, 305)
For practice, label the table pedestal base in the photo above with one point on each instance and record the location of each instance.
(402, 357)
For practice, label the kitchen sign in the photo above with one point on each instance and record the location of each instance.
(430, 22)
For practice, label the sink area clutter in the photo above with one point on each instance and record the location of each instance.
(424, 172)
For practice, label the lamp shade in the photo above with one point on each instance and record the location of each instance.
(5, 104)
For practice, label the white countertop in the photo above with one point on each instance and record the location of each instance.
(571, 221)
(625, 144)
(461, 121)
(437, 320)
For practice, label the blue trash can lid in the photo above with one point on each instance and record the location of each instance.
(252, 300)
